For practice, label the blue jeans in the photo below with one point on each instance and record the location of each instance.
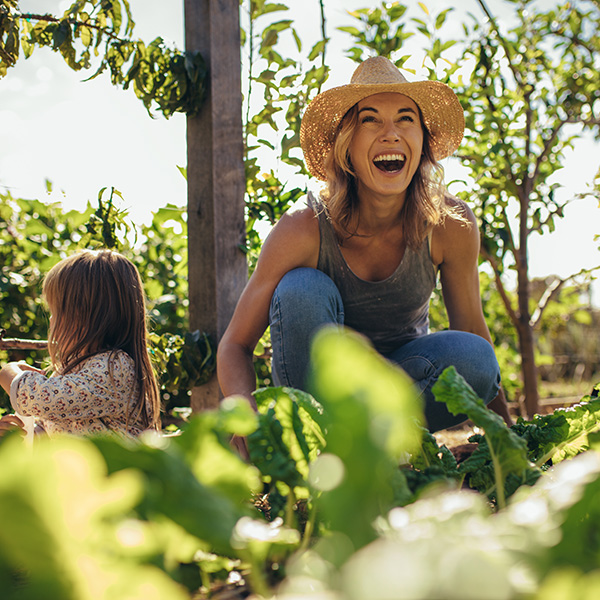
(307, 299)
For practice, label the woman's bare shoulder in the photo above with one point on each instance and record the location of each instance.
(294, 239)
(458, 232)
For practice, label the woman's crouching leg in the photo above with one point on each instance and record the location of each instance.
(425, 358)
(304, 301)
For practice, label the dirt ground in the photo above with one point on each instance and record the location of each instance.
(456, 436)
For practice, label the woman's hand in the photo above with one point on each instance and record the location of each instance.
(10, 423)
(240, 445)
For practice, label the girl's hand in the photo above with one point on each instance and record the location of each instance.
(10, 423)
(27, 367)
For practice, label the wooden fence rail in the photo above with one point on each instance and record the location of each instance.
(17, 344)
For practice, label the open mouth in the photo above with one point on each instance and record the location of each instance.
(390, 163)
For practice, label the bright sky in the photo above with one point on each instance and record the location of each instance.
(85, 136)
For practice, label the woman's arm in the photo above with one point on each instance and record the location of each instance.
(292, 243)
(455, 249)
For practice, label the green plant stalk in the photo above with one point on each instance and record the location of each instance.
(308, 529)
(256, 575)
(289, 509)
(498, 478)
(206, 583)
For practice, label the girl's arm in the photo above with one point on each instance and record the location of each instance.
(11, 370)
(292, 243)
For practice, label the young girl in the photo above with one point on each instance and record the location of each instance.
(103, 379)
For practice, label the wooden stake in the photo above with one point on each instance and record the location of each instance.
(216, 228)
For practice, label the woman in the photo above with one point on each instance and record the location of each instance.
(367, 252)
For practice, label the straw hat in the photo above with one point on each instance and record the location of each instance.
(442, 113)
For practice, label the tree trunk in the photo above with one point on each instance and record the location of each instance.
(524, 326)
(528, 369)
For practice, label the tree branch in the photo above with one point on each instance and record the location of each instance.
(18, 344)
(551, 292)
(583, 121)
(546, 150)
(505, 46)
(51, 19)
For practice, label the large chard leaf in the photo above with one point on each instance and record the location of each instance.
(562, 434)
(374, 417)
(204, 443)
(431, 454)
(171, 489)
(508, 452)
(479, 471)
(64, 531)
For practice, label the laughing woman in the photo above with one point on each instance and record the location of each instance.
(367, 252)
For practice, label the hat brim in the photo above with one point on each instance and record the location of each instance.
(442, 116)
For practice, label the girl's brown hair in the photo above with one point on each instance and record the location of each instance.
(97, 304)
(426, 202)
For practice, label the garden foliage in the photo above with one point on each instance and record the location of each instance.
(95, 34)
(348, 497)
(35, 235)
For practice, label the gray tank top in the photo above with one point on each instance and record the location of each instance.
(389, 312)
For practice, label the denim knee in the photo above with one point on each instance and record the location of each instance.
(480, 368)
(308, 291)
(425, 358)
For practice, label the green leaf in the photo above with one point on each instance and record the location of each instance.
(351, 30)
(317, 49)
(441, 18)
(172, 489)
(374, 417)
(272, 7)
(289, 435)
(508, 451)
(205, 444)
(68, 516)
(561, 434)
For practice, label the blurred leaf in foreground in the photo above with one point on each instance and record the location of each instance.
(374, 419)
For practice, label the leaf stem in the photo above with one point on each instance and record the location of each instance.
(498, 477)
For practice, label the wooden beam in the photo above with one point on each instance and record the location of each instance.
(217, 267)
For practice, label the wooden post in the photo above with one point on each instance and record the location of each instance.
(215, 170)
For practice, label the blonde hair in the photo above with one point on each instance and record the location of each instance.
(97, 304)
(427, 200)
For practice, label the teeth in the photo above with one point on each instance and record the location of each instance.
(389, 157)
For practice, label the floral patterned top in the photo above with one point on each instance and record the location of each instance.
(92, 398)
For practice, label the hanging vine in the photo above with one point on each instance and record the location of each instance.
(97, 35)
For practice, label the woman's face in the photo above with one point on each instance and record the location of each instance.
(386, 146)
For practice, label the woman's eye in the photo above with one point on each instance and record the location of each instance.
(407, 118)
(368, 119)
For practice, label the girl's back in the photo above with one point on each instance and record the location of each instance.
(96, 396)
(103, 379)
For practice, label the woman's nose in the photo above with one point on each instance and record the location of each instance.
(389, 133)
